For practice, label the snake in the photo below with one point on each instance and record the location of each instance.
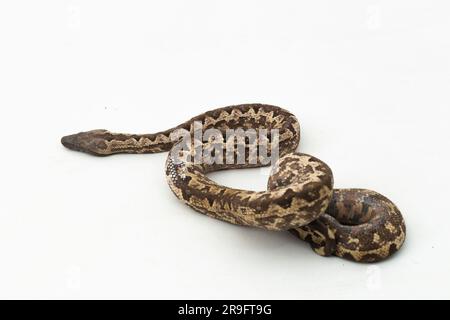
(355, 224)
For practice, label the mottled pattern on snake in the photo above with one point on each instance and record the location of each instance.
(352, 223)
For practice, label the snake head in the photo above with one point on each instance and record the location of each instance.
(92, 142)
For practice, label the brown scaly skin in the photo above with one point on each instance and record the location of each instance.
(359, 225)
(288, 206)
(356, 224)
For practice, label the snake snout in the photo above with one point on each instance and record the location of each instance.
(71, 142)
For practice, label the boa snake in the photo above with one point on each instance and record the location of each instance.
(356, 224)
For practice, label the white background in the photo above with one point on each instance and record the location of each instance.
(369, 81)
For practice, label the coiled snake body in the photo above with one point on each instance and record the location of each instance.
(356, 224)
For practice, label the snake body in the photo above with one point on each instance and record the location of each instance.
(355, 224)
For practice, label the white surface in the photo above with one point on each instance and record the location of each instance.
(369, 81)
